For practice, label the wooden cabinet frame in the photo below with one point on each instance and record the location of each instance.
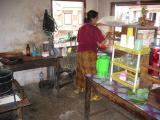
(132, 3)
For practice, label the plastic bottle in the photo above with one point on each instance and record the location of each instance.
(34, 51)
(102, 66)
(41, 76)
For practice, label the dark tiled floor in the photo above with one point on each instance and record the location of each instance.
(68, 106)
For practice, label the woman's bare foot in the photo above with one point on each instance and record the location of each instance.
(79, 90)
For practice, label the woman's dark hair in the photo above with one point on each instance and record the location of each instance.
(91, 14)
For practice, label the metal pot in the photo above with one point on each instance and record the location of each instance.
(6, 77)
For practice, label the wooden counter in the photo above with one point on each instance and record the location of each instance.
(117, 94)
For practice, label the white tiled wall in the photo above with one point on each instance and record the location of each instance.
(29, 76)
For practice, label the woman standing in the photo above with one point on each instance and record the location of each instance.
(89, 38)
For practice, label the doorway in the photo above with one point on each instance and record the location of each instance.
(69, 16)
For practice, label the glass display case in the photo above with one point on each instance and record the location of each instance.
(130, 67)
(146, 34)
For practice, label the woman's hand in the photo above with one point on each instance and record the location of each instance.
(102, 46)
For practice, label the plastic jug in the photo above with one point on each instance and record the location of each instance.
(102, 66)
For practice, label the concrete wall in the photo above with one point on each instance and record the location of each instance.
(21, 23)
(92, 5)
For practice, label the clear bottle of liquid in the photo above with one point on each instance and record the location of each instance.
(41, 76)
(127, 18)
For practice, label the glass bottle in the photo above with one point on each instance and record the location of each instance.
(28, 52)
(41, 76)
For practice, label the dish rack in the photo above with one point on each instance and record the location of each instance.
(132, 81)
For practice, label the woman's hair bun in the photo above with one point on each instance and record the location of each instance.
(91, 14)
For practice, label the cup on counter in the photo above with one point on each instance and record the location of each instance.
(130, 42)
(129, 32)
(138, 44)
(123, 41)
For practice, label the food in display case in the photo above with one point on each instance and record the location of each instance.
(123, 76)
(129, 60)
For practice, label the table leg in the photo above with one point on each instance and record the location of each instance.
(20, 113)
(48, 73)
(57, 68)
(87, 100)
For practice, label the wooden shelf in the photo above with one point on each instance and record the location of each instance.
(144, 50)
(118, 63)
(147, 77)
(115, 77)
(157, 69)
(139, 53)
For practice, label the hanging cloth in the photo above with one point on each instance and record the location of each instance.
(49, 24)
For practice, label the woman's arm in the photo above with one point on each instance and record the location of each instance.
(108, 34)
(105, 39)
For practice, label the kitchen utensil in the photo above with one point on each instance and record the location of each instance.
(5, 81)
(11, 60)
